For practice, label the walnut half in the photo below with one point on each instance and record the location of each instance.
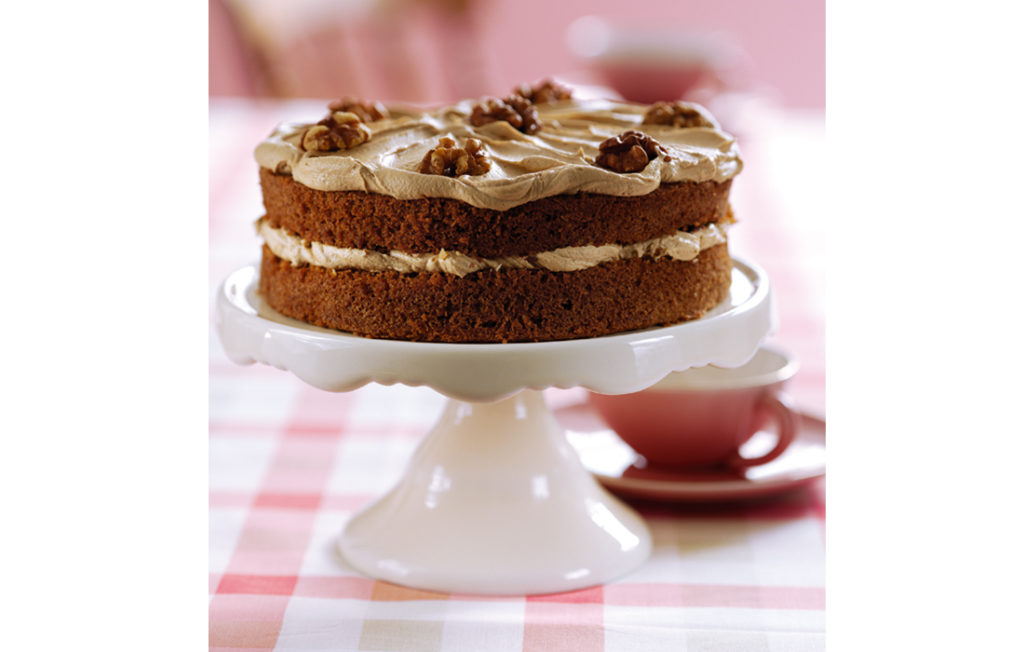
(543, 92)
(339, 130)
(630, 151)
(676, 114)
(514, 109)
(451, 161)
(367, 111)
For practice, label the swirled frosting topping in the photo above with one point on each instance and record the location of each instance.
(559, 159)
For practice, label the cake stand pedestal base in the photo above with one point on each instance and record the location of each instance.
(496, 501)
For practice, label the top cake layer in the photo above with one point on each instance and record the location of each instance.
(558, 159)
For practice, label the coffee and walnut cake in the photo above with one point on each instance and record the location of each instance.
(531, 217)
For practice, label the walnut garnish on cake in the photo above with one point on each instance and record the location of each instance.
(544, 92)
(676, 114)
(339, 130)
(630, 151)
(451, 161)
(366, 110)
(514, 109)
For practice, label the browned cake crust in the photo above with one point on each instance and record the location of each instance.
(361, 220)
(508, 305)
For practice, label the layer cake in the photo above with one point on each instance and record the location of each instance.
(529, 218)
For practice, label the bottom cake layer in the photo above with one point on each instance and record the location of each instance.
(507, 305)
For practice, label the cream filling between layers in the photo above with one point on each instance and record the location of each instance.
(681, 245)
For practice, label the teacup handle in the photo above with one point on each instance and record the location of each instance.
(779, 405)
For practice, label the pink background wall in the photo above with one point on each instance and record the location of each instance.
(784, 38)
(784, 42)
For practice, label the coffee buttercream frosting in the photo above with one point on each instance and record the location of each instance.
(557, 160)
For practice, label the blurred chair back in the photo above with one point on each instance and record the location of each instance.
(392, 50)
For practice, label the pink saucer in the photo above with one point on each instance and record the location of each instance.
(620, 469)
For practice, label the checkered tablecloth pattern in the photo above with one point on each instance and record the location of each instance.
(289, 464)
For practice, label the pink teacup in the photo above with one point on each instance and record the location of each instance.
(701, 417)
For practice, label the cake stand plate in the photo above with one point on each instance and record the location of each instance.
(495, 500)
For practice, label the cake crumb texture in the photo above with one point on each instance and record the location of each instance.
(508, 305)
(360, 220)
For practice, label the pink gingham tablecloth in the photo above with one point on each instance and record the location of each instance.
(290, 464)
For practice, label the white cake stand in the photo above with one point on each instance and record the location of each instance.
(495, 500)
